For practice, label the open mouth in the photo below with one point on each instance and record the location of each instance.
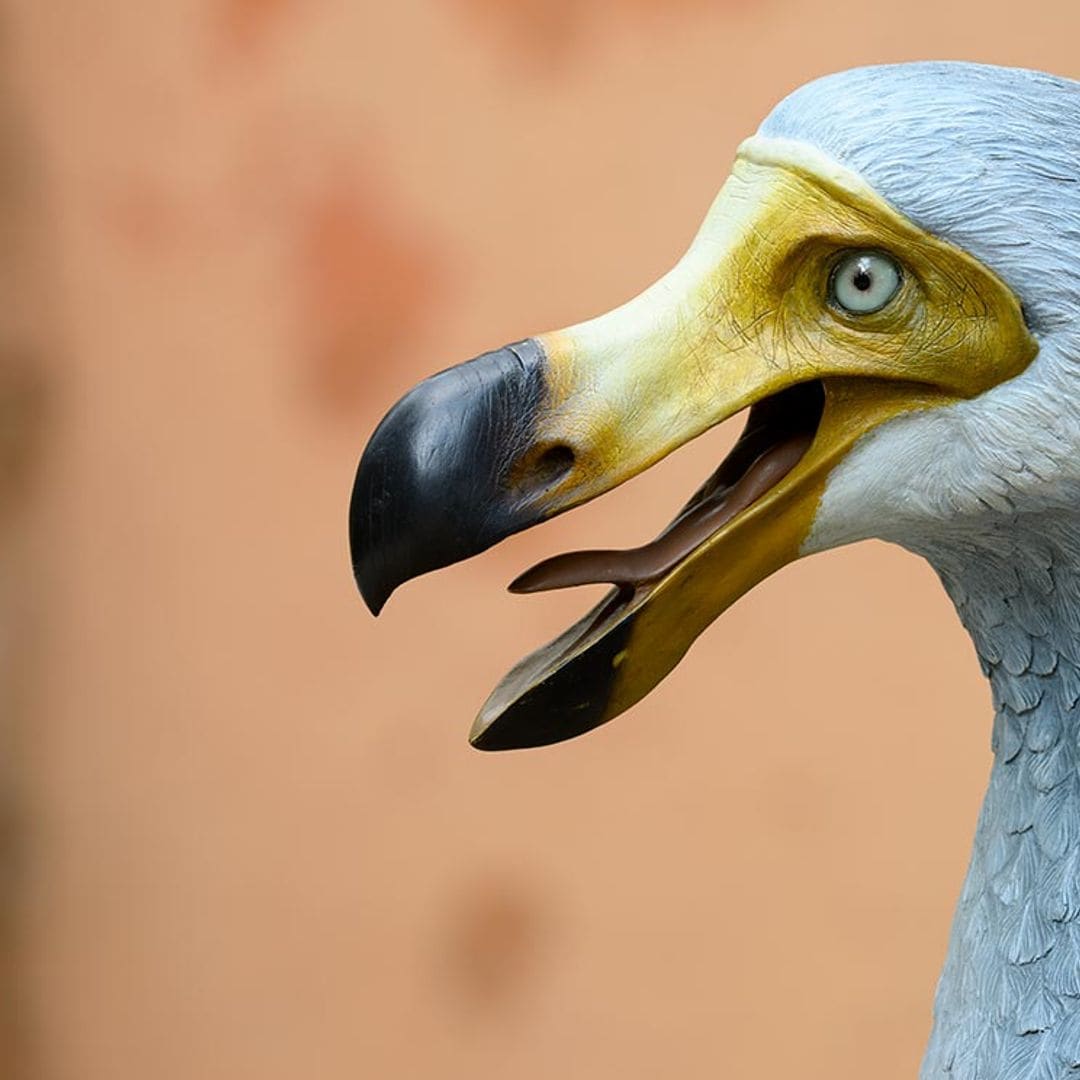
(778, 432)
(528, 708)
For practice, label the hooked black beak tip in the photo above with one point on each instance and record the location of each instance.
(374, 593)
(432, 485)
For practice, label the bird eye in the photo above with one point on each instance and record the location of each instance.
(864, 282)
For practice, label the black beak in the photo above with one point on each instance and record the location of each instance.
(445, 475)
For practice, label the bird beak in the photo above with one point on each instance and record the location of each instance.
(744, 321)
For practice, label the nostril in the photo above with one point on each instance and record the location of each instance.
(549, 467)
(555, 462)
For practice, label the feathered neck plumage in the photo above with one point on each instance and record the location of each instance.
(1008, 1002)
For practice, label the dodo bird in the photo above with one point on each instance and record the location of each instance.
(889, 283)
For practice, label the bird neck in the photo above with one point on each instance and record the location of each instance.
(1008, 1002)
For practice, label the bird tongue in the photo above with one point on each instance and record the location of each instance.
(698, 521)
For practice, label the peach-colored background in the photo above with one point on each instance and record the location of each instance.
(251, 840)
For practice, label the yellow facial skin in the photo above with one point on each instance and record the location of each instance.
(744, 315)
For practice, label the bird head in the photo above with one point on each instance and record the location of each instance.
(887, 284)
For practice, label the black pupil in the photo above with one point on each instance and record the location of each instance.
(863, 279)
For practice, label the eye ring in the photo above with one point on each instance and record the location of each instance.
(864, 282)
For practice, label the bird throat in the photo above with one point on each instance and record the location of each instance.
(1010, 988)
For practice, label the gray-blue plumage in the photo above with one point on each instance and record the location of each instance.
(1008, 1002)
(989, 491)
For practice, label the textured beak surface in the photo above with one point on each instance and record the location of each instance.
(744, 320)
(433, 484)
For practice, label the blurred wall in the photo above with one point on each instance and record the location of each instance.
(256, 842)
(27, 369)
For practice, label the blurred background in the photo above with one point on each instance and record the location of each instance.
(241, 831)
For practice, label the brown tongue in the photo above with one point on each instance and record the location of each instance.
(640, 565)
